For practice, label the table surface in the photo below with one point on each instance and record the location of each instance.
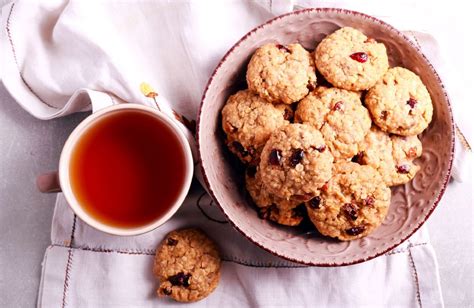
(30, 146)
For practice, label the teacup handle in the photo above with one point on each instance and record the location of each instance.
(48, 182)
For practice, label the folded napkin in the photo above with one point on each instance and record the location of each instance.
(60, 57)
(87, 268)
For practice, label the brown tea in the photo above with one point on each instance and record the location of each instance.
(127, 169)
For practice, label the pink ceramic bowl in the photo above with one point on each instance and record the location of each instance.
(411, 204)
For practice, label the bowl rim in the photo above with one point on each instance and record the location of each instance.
(339, 11)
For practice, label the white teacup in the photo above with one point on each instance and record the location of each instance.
(60, 181)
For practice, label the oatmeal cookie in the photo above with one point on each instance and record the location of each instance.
(281, 74)
(187, 263)
(400, 103)
(282, 211)
(248, 120)
(283, 216)
(352, 204)
(340, 116)
(391, 155)
(295, 162)
(350, 60)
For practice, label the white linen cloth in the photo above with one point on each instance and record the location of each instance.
(59, 57)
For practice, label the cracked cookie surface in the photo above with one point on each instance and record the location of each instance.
(295, 162)
(340, 117)
(391, 155)
(352, 204)
(350, 60)
(281, 74)
(187, 263)
(279, 210)
(400, 103)
(248, 121)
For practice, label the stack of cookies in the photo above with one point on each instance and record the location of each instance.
(327, 147)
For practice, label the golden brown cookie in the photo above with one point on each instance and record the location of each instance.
(340, 117)
(281, 74)
(187, 263)
(279, 210)
(350, 60)
(287, 217)
(295, 162)
(248, 120)
(352, 204)
(400, 103)
(391, 155)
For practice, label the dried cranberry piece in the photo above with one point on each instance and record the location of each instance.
(180, 279)
(412, 102)
(296, 157)
(412, 152)
(171, 242)
(369, 201)
(166, 291)
(275, 157)
(403, 169)
(355, 230)
(361, 57)
(325, 186)
(315, 202)
(251, 171)
(311, 87)
(350, 210)
(283, 47)
(186, 280)
(358, 158)
(337, 106)
(384, 115)
(240, 148)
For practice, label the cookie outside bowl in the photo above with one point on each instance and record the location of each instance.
(411, 204)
